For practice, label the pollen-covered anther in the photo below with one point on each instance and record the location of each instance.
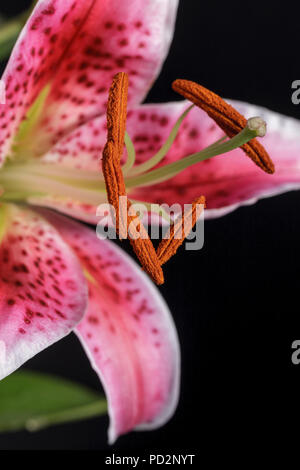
(226, 117)
(180, 229)
(114, 180)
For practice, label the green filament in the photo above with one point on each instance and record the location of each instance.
(143, 167)
(168, 171)
(130, 154)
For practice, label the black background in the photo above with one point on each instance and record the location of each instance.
(236, 302)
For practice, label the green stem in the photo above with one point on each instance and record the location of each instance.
(98, 408)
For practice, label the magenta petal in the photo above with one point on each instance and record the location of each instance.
(128, 334)
(42, 288)
(78, 46)
(227, 181)
(81, 149)
(77, 210)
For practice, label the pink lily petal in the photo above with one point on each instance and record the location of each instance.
(77, 46)
(227, 181)
(77, 210)
(81, 148)
(43, 291)
(128, 333)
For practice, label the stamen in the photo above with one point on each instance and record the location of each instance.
(112, 153)
(130, 154)
(168, 171)
(125, 222)
(157, 158)
(153, 209)
(144, 248)
(114, 185)
(227, 118)
(179, 231)
(20, 183)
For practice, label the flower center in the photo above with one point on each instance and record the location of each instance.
(22, 178)
(151, 259)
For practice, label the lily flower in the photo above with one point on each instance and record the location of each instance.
(55, 275)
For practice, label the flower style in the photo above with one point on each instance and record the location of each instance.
(55, 275)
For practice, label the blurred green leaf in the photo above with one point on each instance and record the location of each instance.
(32, 401)
(6, 48)
(10, 30)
